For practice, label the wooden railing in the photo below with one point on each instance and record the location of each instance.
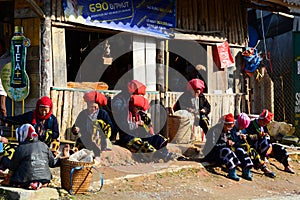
(68, 102)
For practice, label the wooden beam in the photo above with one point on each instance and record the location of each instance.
(36, 9)
(270, 8)
(79, 27)
(280, 2)
(277, 5)
(184, 36)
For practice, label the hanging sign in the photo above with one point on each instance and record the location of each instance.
(18, 51)
(156, 17)
(14, 77)
(296, 72)
(222, 55)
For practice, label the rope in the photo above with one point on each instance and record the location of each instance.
(267, 54)
(263, 32)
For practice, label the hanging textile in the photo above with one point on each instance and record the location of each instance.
(252, 59)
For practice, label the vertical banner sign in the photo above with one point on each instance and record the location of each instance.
(14, 77)
(296, 71)
(19, 44)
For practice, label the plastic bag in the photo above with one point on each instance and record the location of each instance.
(84, 155)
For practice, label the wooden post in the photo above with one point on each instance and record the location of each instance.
(150, 63)
(139, 57)
(167, 65)
(160, 72)
(59, 57)
(46, 51)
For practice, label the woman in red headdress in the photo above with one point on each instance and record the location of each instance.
(194, 101)
(136, 133)
(120, 102)
(42, 119)
(258, 138)
(93, 124)
(218, 147)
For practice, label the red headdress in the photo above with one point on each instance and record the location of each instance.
(97, 97)
(42, 102)
(229, 118)
(195, 84)
(139, 101)
(266, 116)
(136, 87)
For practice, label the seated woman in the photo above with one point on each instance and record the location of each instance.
(240, 143)
(259, 139)
(31, 160)
(194, 101)
(218, 149)
(120, 103)
(136, 132)
(43, 121)
(93, 124)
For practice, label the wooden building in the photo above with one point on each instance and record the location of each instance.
(61, 48)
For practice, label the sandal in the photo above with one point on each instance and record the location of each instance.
(289, 170)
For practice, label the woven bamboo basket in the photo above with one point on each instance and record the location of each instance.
(81, 177)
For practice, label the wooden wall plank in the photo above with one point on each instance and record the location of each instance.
(178, 14)
(75, 107)
(213, 15)
(70, 105)
(59, 10)
(217, 14)
(59, 57)
(205, 9)
(194, 14)
(190, 15)
(184, 8)
(36, 32)
(53, 96)
(200, 17)
(65, 113)
(210, 67)
(53, 9)
(59, 110)
(240, 26)
(235, 32)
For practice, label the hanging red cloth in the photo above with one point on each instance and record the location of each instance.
(222, 55)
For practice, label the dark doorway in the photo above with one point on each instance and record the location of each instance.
(78, 46)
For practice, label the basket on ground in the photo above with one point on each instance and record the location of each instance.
(75, 176)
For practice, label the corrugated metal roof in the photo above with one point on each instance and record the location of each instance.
(292, 2)
(295, 5)
(288, 6)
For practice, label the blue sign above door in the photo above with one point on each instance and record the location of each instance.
(154, 18)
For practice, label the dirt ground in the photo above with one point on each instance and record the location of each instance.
(191, 182)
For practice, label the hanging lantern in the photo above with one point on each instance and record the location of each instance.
(107, 59)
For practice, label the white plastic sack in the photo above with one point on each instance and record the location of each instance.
(84, 155)
(185, 113)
